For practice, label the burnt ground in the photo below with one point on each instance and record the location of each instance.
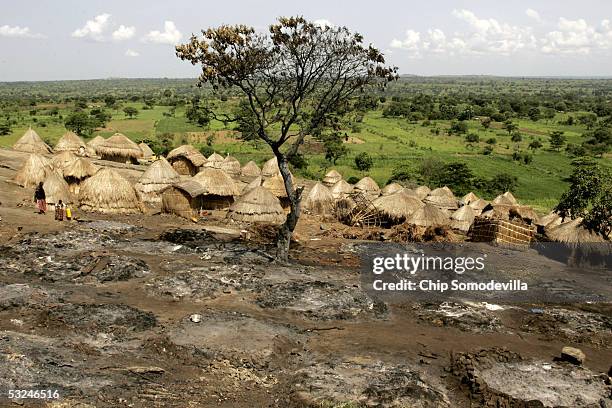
(153, 311)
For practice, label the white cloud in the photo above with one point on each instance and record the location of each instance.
(124, 33)
(132, 53)
(171, 35)
(577, 37)
(93, 29)
(534, 15)
(18, 32)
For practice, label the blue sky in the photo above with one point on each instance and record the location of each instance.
(70, 39)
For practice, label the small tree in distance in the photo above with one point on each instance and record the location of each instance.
(130, 111)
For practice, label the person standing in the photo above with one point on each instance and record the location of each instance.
(59, 211)
(40, 198)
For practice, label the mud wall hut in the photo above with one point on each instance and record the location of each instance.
(183, 199)
(186, 160)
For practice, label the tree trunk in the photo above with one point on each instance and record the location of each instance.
(283, 238)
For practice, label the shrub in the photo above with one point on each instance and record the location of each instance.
(352, 180)
(363, 161)
(472, 138)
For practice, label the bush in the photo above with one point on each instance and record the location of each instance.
(298, 161)
(501, 183)
(492, 141)
(402, 173)
(206, 150)
(363, 161)
(472, 138)
(352, 180)
(487, 151)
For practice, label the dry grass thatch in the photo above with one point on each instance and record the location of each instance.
(186, 160)
(30, 142)
(478, 205)
(573, 232)
(70, 142)
(441, 192)
(469, 198)
(231, 166)
(525, 212)
(214, 161)
(108, 192)
(442, 200)
(147, 153)
(497, 211)
(319, 200)
(391, 189)
(156, 178)
(57, 189)
(428, 216)
(63, 160)
(216, 182)
(276, 185)
(183, 199)
(119, 148)
(367, 186)
(331, 178)
(270, 168)
(505, 199)
(463, 218)
(397, 207)
(80, 169)
(422, 191)
(93, 144)
(257, 205)
(256, 182)
(341, 189)
(34, 171)
(251, 169)
(552, 219)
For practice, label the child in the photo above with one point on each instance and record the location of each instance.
(59, 211)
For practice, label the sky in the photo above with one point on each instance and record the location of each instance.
(76, 39)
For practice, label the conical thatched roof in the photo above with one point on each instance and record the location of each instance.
(32, 143)
(256, 182)
(442, 200)
(525, 212)
(367, 186)
(189, 153)
(276, 185)
(157, 177)
(422, 191)
(463, 218)
(214, 161)
(231, 166)
(62, 160)
(216, 182)
(120, 146)
(391, 189)
(93, 144)
(108, 192)
(34, 171)
(70, 142)
(146, 150)
(331, 178)
(479, 205)
(551, 219)
(506, 199)
(341, 189)
(80, 169)
(573, 232)
(257, 205)
(500, 211)
(469, 198)
(251, 169)
(398, 206)
(270, 168)
(57, 189)
(319, 200)
(442, 191)
(428, 216)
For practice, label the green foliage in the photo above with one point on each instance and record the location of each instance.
(501, 183)
(472, 138)
(334, 147)
(557, 139)
(80, 123)
(457, 176)
(363, 161)
(535, 145)
(516, 137)
(491, 141)
(130, 111)
(458, 127)
(206, 150)
(352, 180)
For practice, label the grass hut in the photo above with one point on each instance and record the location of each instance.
(35, 170)
(397, 207)
(183, 199)
(319, 200)
(77, 172)
(478, 205)
(30, 142)
(469, 198)
(497, 211)
(428, 216)
(256, 182)
(109, 193)
(573, 232)
(71, 142)
(391, 189)
(505, 199)
(331, 178)
(276, 185)
(214, 161)
(270, 168)
(251, 169)
(118, 148)
(368, 187)
(257, 205)
(147, 152)
(524, 212)
(57, 189)
(463, 218)
(186, 160)
(549, 220)
(93, 144)
(154, 180)
(62, 160)
(442, 198)
(422, 191)
(219, 188)
(231, 166)
(341, 189)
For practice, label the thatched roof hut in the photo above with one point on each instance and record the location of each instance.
(428, 216)
(276, 185)
(30, 142)
(186, 160)
(463, 218)
(34, 171)
(119, 148)
(147, 152)
(391, 189)
(331, 178)
(552, 219)
(70, 142)
(319, 200)
(231, 166)
(478, 205)
(270, 168)
(214, 161)
(256, 182)
(442, 200)
(94, 143)
(257, 205)
(422, 191)
(219, 188)
(368, 187)
(77, 171)
(525, 212)
(57, 189)
(341, 189)
(397, 207)
(251, 169)
(108, 192)
(155, 179)
(62, 160)
(498, 211)
(505, 199)
(573, 232)
(183, 199)
(469, 198)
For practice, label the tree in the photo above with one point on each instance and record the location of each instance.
(535, 145)
(130, 111)
(486, 123)
(557, 139)
(516, 137)
(80, 123)
(510, 126)
(198, 115)
(457, 176)
(295, 77)
(334, 147)
(5, 128)
(458, 127)
(501, 183)
(599, 140)
(534, 114)
(472, 138)
(363, 161)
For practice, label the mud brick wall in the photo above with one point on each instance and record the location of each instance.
(501, 231)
